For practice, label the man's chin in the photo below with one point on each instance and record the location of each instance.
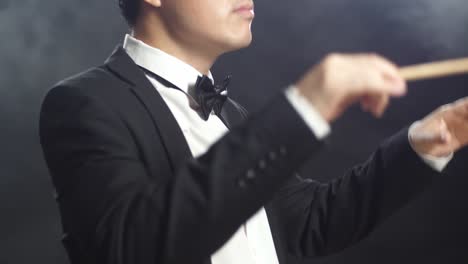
(239, 44)
(245, 44)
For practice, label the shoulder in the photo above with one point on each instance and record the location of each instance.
(97, 84)
(78, 92)
(90, 82)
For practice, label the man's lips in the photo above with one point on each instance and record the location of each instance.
(246, 10)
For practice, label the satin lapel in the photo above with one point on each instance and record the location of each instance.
(225, 118)
(172, 137)
(231, 115)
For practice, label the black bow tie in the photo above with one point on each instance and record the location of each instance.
(210, 97)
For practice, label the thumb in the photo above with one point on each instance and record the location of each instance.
(445, 135)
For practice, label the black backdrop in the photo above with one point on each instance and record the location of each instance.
(44, 41)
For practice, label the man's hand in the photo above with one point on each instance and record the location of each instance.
(443, 132)
(341, 80)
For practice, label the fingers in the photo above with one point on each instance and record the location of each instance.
(465, 109)
(379, 79)
(375, 104)
(445, 138)
(444, 133)
(366, 103)
(438, 134)
(381, 106)
(454, 124)
(459, 109)
(462, 106)
(388, 70)
(383, 76)
(341, 80)
(384, 81)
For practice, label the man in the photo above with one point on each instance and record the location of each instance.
(146, 170)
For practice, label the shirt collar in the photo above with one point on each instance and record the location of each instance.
(159, 62)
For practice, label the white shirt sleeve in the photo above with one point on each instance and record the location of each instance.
(321, 128)
(308, 113)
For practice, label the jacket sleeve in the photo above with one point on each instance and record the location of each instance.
(317, 219)
(114, 212)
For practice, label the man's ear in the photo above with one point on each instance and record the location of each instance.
(154, 3)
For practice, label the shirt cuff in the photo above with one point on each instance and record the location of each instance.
(308, 113)
(437, 163)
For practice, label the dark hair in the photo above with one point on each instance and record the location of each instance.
(130, 10)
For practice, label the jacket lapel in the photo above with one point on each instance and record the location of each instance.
(173, 140)
(171, 136)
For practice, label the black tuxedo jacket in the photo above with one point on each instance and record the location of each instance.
(129, 191)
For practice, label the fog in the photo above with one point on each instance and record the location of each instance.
(45, 41)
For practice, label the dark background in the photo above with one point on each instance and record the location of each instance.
(44, 41)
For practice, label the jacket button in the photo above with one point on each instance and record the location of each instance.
(250, 175)
(262, 164)
(272, 156)
(283, 150)
(56, 195)
(242, 183)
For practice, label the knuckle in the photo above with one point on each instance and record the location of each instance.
(444, 108)
(332, 58)
(329, 65)
(373, 56)
(374, 80)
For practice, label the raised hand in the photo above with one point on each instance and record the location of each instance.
(341, 80)
(442, 132)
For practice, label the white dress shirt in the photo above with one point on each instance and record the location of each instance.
(252, 243)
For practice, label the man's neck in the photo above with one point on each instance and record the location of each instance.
(195, 58)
